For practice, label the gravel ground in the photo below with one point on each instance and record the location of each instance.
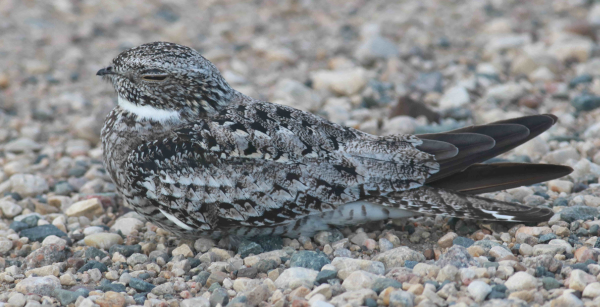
(66, 238)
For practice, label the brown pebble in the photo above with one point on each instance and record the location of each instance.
(429, 254)
(438, 254)
(519, 267)
(300, 303)
(300, 292)
(509, 257)
(531, 101)
(111, 299)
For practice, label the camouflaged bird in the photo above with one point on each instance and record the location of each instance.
(199, 158)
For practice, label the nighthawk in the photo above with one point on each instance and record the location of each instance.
(199, 158)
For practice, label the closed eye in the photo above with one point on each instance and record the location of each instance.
(154, 77)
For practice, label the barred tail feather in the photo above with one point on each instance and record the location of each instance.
(435, 201)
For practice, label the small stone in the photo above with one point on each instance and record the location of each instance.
(17, 299)
(28, 185)
(354, 298)
(455, 97)
(571, 214)
(219, 297)
(22, 145)
(560, 186)
(342, 82)
(550, 283)
(401, 298)
(46, 255)
(457, 256)
(345, 266)
(521, 281)
(38, 285)
(5, 246)
(162, 289)
(204, 244)
(447, 240)
(125, 250)
(358, 280)
(111, 299)
(52, 239)
(566, 299)
(103, 240)
(592, 290)
(88, 208)
(127, 225)
(247, 247)
(579, 279)
(479, 290)
(309, 260)
(583, 254)
(293, 93)
(462, 241)
(549, 249)
(499, 252)
(195, 302)
(140, 285)
(39, 233)
(397, 256)
(325, 275)
(295, 274)
(10, 209)
(381, 284)
(183, 250)
(93, 264)
(376, 47)
(44, 271)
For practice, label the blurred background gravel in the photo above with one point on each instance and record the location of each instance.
(385, 67)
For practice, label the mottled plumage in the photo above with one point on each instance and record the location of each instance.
(199, 158)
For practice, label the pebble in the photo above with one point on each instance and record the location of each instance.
(126, 226)
(342, 82)
(375, 48)
(38, 285)
(345, 266)
(183, 250)
(575, 213)
(296, 274)
(28, 185)
(560, 186)
(358, 280)
(88, 208)
(103, 240)
(521, 281)
(454, 97)
(447, 240)
(592, 290)
(479, 290)
(195, 302)
(457, 256)
(10, 209)
(309, 260)
(397, 256)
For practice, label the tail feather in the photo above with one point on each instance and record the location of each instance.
(507, 135)
(436, 201)
(486, 178)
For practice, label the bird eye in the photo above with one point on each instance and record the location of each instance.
(154, 77)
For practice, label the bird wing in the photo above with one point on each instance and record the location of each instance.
(262, 165)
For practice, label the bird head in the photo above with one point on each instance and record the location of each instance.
(164, 81)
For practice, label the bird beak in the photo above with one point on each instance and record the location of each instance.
(105, 71)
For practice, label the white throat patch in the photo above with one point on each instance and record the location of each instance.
(148, 112)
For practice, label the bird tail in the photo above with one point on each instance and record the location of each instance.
(436, 201)
(459, 170)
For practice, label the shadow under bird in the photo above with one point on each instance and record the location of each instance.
(199, 158)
